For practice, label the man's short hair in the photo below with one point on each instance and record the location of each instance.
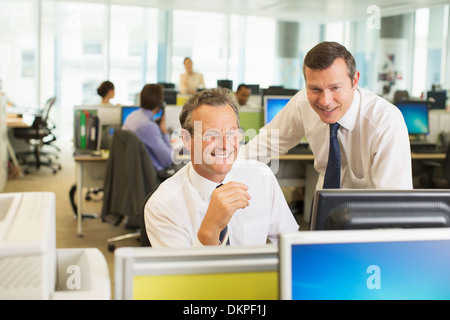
(323, 55)
(152, 96)
(213, 97)
(242, 85)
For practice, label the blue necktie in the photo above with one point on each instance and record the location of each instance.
(224, 232)
(333, 172)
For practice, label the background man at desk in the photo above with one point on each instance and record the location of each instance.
(149, 125)
(373, 148)
(214, 198)
(242, 94)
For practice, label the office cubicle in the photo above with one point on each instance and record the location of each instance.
(213, 273)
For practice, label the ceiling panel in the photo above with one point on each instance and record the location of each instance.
(291, 10)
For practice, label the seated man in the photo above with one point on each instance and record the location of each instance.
(242, 94)
(216, 194)
(149, 125)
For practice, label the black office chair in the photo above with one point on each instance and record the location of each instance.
(37, 136)
(130, 177)
(145, 242)
(438, 173)
(400, 96)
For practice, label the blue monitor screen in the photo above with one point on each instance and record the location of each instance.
(416, 116)
(273, 105)
(126, 112)
(372, 270)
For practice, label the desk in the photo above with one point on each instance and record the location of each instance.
(312, 176)
(97, 166)
(428, 156)
(19, 121)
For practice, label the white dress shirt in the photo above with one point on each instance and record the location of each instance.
(175, 211)
(373, 140)
(194, 81)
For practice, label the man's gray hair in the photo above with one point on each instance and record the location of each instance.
(213, 97)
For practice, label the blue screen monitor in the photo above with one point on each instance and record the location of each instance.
(273, 105)
(365, 265)
(126, 110)
(415, 114)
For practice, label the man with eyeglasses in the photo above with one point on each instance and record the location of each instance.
(216, 199)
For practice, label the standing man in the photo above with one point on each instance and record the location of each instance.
(215, 200)
(372, 149)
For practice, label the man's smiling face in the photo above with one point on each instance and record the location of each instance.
(330, 91)
(217, 154)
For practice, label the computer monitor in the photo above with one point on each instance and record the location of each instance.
(273, 105)
(126, 110)
(225, 83)
(276, 91)
(437, 99)
(197, 273)
(254, 88)
(347, 209)
(167, 85)
(365, 265)
(170, 96)
(415, 114)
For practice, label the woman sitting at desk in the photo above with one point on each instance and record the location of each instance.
(149, 125)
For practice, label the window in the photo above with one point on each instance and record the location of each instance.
(18, 51)
(202, 37)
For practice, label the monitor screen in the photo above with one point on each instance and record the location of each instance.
(273, 105)
(437, 99)
(339, 209)
(126, 110)
(416, 116)
(365, 265)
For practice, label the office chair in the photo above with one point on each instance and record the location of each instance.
(37, 136)
(400, 96)
(434, 178)
(145, 242)
(130, 177)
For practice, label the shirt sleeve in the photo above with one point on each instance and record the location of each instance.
(162, 228)
(392, 168)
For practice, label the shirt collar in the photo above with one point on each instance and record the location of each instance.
(204, 186)
(148, 113)
(349, 119)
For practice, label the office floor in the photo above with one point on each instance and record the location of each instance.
(95, 232)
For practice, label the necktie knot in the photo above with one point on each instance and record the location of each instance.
(334, 127)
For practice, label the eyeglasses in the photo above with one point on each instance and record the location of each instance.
(215, 135)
